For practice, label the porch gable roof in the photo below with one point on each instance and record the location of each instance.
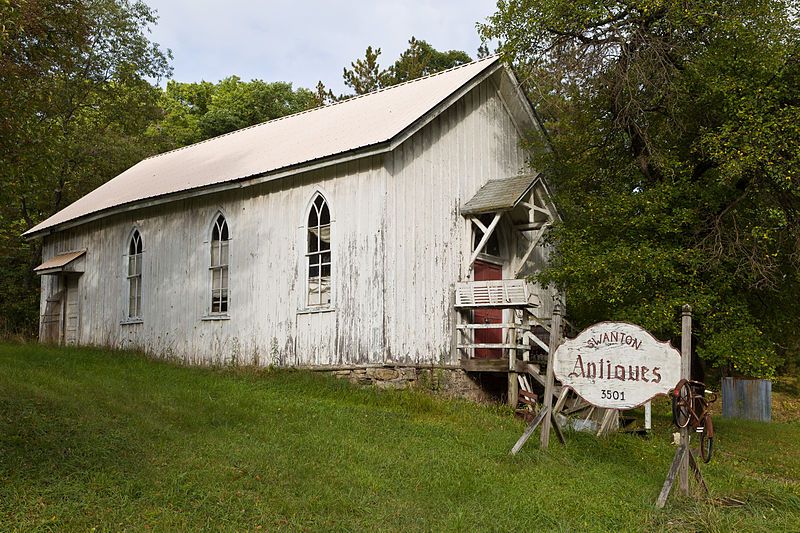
(499, 195)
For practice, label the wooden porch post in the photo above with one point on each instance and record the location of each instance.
(513, 383)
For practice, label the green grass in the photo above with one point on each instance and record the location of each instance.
(114, 441)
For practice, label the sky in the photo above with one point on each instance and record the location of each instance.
(303, 41)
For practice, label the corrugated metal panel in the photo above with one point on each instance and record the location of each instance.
(321, 133)
(750, 399)
(499, 195)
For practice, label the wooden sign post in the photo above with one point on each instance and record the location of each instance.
(684, 458)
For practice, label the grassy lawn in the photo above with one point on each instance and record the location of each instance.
(92, 439)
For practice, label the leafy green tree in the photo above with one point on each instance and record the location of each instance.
(419, 59)
(197, 111)
(365, 75)
(76, 99)
(672, 140)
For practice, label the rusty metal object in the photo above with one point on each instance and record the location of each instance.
(690, 407)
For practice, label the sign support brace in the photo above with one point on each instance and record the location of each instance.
(546, 416)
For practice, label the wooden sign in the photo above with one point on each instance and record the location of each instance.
(617, 365)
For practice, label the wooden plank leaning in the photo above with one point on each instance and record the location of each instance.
(529, 430)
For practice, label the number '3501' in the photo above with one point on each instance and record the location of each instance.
(608, 394)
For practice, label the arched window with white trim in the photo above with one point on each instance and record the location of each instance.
(135, 275)
(220, 238)
(318, 253)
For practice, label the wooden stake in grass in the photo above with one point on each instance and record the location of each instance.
(684, 458)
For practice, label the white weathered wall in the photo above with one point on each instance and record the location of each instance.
(267, 324)
(399, 245)
(427, 240)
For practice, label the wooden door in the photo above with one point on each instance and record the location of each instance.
(484, 315)
(71, 310)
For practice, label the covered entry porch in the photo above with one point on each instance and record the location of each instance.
(503, 317)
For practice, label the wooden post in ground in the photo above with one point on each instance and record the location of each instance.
(513, 383)
(686, 373)
(683, 455)
(549, 384)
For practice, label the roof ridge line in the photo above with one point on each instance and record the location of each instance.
(318, 108)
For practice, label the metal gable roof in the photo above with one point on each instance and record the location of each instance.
(499, 195)
(325, 133)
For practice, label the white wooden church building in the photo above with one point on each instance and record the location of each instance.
(370, 231)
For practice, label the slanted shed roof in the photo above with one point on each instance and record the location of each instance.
(499, 195)
(58, 263)
(364, 125)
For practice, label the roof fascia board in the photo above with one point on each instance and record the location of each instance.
(508, 90)
(549, 197)
(527, 107)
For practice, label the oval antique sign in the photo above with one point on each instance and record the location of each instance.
(617, 365)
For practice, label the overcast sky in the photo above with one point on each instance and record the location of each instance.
(303, 41)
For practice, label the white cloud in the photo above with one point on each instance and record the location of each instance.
(305, 40)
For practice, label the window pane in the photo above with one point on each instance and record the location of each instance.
(325, 215)
(223, 274)
(326, 257)
(325, 237)
(326, 271)
(214, 253)
(223, 253)
(223, 229)
(215, 301)
(131, 265)
(313, 294)
(313, 272)
(138, 269)
(313, 221)
(325, 290)
(313, 241)
(216, 279)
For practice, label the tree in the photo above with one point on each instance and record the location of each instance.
(365, 75)
(76, 99)
(197, 111)
(419, 59)
(672, 134)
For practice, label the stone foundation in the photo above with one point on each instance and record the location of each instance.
(447, 382)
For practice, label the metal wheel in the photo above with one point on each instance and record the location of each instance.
(682, 401)
(707, 439)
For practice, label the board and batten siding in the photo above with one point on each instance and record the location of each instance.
(427, 240)
(399, 245)
(267, 321)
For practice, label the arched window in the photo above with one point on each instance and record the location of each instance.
(135, 275)
(318, 253)
(219, 265)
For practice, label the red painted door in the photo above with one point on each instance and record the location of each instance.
(485, 315)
